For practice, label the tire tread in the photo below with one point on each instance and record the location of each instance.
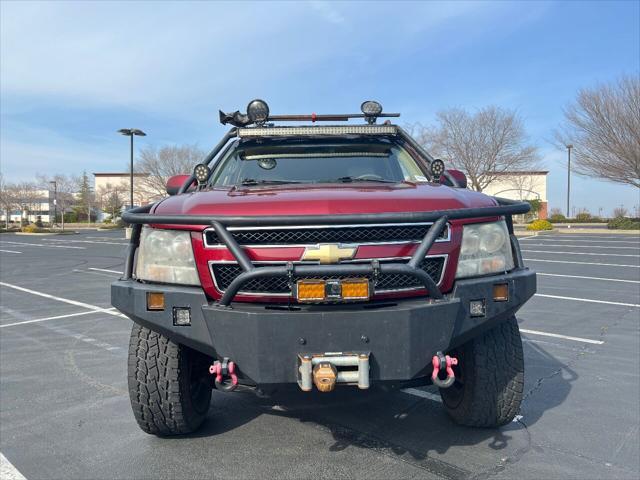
(159, 394)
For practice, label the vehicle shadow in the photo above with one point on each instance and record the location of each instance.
(405, 425)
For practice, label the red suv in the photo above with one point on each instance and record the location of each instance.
(324, 256)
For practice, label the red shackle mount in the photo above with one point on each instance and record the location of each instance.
(226, 368)
(443, 363)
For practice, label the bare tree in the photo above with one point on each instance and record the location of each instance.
(164, 162)
(525, 187)
(7, 199)
(27, 198)
(483, 144)
(620, 212)
(603, 125)
(110, 199)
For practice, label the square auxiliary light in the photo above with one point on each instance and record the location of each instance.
(477, 308)
(181, 316)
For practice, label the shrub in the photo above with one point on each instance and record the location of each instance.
(557, 218)
(621, 223)
(33, 228)
(538, 225)
(583, 217)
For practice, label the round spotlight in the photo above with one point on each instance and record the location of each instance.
(201, 172)
(437, 168)
(371, 108)
(258, 111)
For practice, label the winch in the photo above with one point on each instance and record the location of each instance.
(327, 369)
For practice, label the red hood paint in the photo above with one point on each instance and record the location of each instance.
(323, 200)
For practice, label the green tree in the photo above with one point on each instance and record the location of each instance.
(85, 199)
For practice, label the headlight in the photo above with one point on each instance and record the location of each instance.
(166, 256)
(485, 249)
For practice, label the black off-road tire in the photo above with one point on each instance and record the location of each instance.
(168, 384)
(491, 378)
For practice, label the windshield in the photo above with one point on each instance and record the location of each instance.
(317, 162)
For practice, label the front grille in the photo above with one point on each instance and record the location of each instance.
(327, 234)
(225, 273)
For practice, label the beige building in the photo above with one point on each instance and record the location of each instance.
(523, 185)
(118, 183)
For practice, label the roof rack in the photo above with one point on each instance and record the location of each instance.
(258, 114)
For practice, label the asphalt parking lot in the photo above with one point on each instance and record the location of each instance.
(64, 406)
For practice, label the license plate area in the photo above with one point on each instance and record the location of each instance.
(332, 290)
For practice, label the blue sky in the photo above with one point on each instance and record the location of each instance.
(73, 73)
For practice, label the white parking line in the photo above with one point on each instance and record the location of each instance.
(580, 263)
(40, 245)
(584, 253)
(8, 471)
(557, 239)
(588, 300)
(581, 246)
(587, 278)
(565, 337)
(95, 308)
(105, 270)
(9, 251)
(38, 320)
(84, 241)
(421, 393)
(611, 238)
(111, 238)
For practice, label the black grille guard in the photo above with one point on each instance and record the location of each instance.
(140, 216)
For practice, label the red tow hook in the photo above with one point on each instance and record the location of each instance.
(222, 369)
(441, 362)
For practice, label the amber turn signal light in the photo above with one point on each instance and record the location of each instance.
(155, 301)
(354, 289)
(310, 290)
(501, 292)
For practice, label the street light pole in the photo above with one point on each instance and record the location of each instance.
(130, 132)
(131, 173)
(569, 147)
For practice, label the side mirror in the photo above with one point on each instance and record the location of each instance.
(174, 183)
(454, 178)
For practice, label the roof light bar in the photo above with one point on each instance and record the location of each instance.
(258, 113)
(329, 130)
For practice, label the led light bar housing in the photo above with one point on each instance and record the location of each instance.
(319, 130)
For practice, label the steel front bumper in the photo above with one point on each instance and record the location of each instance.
(265, 341)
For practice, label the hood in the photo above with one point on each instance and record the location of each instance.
(323, 200)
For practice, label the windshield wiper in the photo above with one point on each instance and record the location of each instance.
(356, 179)
(251, 181)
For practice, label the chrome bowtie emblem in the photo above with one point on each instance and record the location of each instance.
(327, 253)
